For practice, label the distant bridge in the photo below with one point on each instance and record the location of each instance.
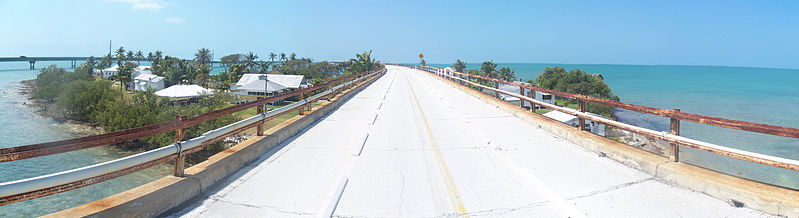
(32, 60)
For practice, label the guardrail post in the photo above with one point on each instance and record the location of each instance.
(521, 101)
(309, 104)
(674, 151)
(260, 127)
(496, 86)
(302, 97)
(532, 104)
(581, 107)
(329, 84)
(181, 160)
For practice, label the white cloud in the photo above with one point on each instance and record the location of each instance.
(151, 5)
(173, 20)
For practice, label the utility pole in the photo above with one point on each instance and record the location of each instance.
(109, 46)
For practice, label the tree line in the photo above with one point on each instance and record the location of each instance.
(79, 95)
(554, 78)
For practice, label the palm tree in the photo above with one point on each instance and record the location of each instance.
(105, 62)
(158, 57)
(292, 56)
(90, 63)
(131, 56)
(459, 65)
(150, 56)
(250, 59)
(506, 74)
(283, 57)
(202, 57)
(139, 57)
(488, 69)
(263, 66)
(272, 56)
(120, 55)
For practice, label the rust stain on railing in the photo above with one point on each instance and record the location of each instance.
(55, 147)
(675, 115)
(49, 148)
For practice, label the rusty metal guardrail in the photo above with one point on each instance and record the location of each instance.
(672, 136)
(31, 188)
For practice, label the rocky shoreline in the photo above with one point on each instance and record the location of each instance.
(45, 110)
(654, 146)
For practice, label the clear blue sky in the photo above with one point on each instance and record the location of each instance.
(733, 33)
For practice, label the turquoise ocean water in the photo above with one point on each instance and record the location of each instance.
(20, 126)
(762, 95)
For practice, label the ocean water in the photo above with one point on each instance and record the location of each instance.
(19, 125)
(761, 95)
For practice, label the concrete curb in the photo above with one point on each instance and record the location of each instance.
(160, 196)
(752, 194)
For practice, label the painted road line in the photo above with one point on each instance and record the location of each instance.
(542, 189)
(449, 182)
(335, 197)
(363, 144)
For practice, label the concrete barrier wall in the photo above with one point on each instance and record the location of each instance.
(755, 195)
(159, 196)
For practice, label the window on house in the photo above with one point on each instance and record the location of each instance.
(547, 97)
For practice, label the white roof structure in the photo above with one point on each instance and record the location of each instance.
(149, 77)
(142, 69)
(287, 81)
(559, 116)
(258, 86)
(179, 91)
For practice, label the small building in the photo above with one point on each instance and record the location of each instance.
(148, 81)
(183, 91)
(114, 70)
(251, 86)
(596, 128)
(545, 97)
(540, 96)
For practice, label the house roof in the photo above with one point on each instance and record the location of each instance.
(258, 86)
(287, 81)
(138, 69)
(178, 91)
(149, 77)
(559, 116)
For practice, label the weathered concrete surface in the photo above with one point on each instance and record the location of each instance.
(752, 194)
(156, 197)
(435, 150)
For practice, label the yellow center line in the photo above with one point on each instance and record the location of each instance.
(452, 190)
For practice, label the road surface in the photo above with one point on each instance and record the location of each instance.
(435, 151)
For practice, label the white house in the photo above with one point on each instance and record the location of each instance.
(181, 91)
(541, 96)
(251, 86)
(148, 81)
(596, 128)
(114, 70)
(545, 97)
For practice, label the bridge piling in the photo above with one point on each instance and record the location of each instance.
(33, 64)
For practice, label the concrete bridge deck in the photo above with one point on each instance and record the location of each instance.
(435, 151)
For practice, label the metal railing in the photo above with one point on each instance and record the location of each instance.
(675, 115)
(31, 188)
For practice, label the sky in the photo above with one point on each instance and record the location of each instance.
(728, 33)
